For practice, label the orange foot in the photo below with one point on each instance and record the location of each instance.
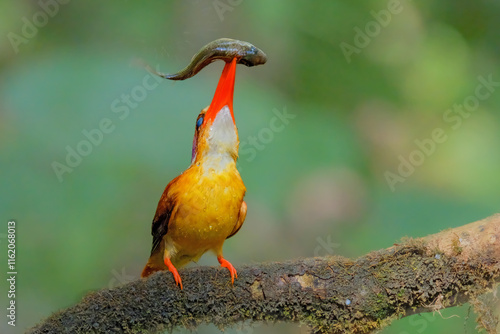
(225, 263)
(174, 271)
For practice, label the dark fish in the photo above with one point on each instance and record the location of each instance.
(223, 48)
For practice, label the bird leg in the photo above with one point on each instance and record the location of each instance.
(174, 271)
(225, 263)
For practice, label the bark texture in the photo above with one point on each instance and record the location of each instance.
(329, 294)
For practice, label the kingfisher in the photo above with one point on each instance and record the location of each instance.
(203, 206)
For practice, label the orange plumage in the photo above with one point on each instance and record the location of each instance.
(203, 206)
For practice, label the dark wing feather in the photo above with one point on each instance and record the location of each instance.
(159, 229)
(162, 217)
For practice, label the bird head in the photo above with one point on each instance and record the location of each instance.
(215, 143)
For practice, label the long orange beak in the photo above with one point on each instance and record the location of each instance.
(224, 92)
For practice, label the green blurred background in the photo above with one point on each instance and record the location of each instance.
(316, 181)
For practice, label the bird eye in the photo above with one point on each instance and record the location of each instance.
(199, 122)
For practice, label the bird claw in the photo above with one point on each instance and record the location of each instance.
(177, 278)
(225, 263)
(174, 272)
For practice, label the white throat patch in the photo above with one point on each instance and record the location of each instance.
(222, 141)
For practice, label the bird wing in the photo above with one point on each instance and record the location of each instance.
(162, 216)
(241, 218)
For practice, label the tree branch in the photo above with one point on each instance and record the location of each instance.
(329, 294)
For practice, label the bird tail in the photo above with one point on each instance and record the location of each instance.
(155, 263)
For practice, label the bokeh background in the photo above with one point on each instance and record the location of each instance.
(349, 90)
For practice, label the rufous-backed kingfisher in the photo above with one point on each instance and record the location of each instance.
(203, 206)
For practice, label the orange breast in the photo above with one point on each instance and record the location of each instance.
(207, 210)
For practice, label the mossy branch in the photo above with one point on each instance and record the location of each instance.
(329, 294)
